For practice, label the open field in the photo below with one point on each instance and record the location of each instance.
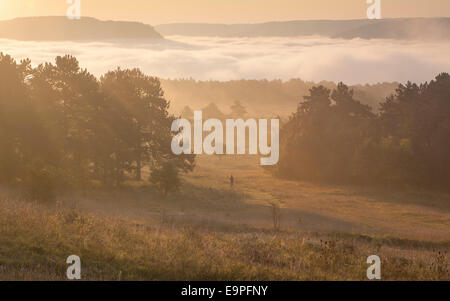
(409, 214)
(209, 231)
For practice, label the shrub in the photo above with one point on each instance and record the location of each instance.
(40, 186)
(166, 178)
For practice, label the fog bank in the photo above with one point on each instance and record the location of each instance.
(204, 58)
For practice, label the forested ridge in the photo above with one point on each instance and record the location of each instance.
(54, 28)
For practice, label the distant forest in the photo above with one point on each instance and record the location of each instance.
(262, 98)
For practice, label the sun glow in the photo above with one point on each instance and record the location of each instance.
(223, 11)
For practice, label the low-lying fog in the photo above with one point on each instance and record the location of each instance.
(204, 58)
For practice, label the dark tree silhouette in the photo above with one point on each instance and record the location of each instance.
(62, 127)
(333, 137)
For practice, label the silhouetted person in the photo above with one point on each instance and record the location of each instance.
(231, 181)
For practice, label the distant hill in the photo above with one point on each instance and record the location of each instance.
(411, 28)
(61, 28)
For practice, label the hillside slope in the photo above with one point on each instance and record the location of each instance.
(411, 28)
(61, 28)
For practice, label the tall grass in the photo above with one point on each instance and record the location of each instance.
(35, 242)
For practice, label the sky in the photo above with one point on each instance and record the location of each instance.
(224, 11)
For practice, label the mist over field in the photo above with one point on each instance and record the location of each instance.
(204, 58)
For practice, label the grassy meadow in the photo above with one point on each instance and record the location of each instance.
(263, 228)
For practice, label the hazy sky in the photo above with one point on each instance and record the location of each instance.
(224, 11)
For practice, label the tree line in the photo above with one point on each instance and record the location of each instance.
(335, 138)
(61, 127)
(261, 97)
(238, 110)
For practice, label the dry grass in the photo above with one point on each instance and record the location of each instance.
(35, 242)
(209, 232)
(409, 213)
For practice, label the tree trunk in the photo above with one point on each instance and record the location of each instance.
(139, 168)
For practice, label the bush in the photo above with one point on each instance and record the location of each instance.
(166, 178)
(40, 186)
